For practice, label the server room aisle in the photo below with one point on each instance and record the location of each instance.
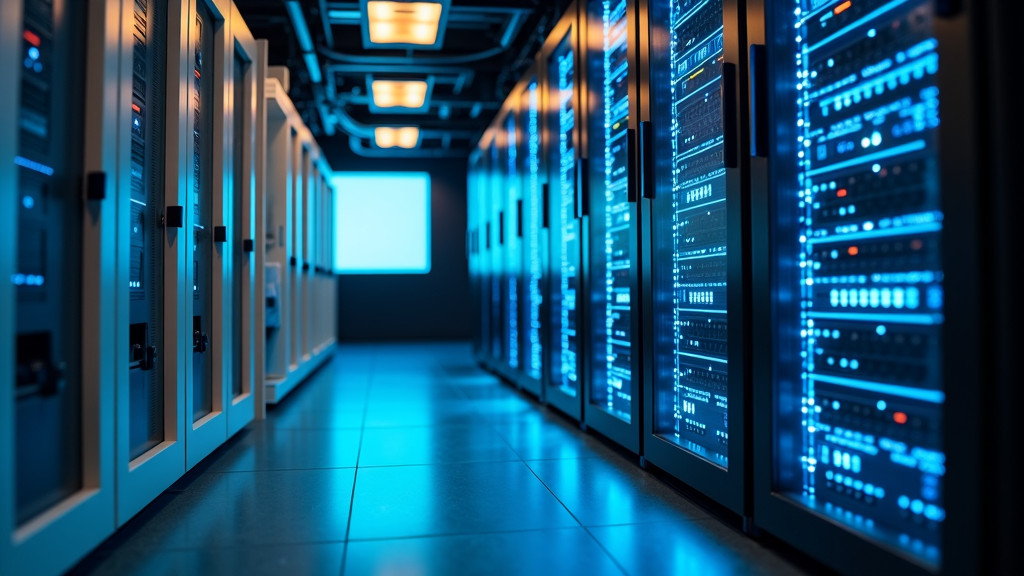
(408, 459)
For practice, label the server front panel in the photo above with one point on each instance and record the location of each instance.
(202, 212)
(857, 256)
(146, 253)
(48, 270)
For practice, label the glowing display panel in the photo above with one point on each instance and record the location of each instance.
(857, 260)
(382, 222)
(611, 227)
(513, 250)
(689, 232)
(565, 227)
(532, 216)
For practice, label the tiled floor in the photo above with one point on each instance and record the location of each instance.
(405, 459)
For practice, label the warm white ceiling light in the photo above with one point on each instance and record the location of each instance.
(399, 93)
(403, 23)
(404, 137)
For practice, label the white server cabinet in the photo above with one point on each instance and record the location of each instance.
(300, 175)
(149, 443)
(239, 215)
(57, 258)
(282, 126)
(259, 349)
(307, 257)
(204, 75)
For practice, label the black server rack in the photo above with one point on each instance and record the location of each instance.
(147, 228)
(874, 308)
(510, 235)
(612, 403)
(474, 184)
(47, 319)
(560, 64)
(495, 268)
(695, 231)
(532, 225)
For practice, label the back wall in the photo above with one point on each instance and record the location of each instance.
(433, 306)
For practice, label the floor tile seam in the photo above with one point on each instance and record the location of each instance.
(355, 476)
(239, 545)
(553, 495)
(606, 551)
(302, 469)
(409, 465)
(434, 535)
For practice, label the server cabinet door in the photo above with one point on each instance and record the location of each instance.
(512, 247)
(869, 384)
(496, 268)
(277, 241)
(559, 58)
(209, 42)
(696, 383)
(239, 214)
(472, 246)
(612, 403)
(534, 236)
(57, 249)
(150, 443)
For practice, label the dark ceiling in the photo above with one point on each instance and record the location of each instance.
(487, 47)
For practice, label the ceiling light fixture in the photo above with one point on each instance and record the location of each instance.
(405, 95)
(391, 137)
(403, 24)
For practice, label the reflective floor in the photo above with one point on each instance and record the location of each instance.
(406, 459)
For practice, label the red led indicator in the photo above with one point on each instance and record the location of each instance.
(899, 417)
(852, 250)
(31, 37)
(841, 193)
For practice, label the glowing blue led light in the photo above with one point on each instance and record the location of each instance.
(33, 53)
(28, 202)
(881, 405)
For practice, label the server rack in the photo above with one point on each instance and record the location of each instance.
(299, 174)
(206, 75)
(282, 123)
(57, 257)
(238, 212)
(613, 386)
(510, 236)
(495, 241)
(260, 349)
(310, 183)
(150, 389)
(532, 226)
(474, 176)
(695, 221)
(560, 63)
(870, 131)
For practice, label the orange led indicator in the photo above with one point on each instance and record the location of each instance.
(899, 417)
(841, 193)
(852, 250)
(842, 7)
(135, 108)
